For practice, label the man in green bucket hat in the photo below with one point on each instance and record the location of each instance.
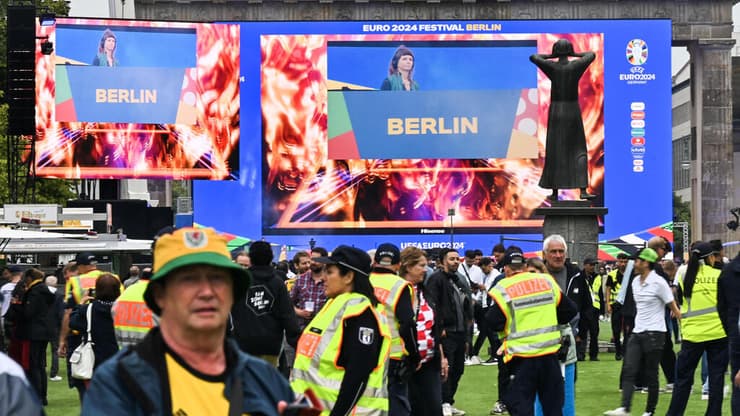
(645, 347)
(187, 365)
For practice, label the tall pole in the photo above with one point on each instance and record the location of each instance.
(451, 213)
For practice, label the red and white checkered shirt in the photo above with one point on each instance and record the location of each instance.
(424, 324)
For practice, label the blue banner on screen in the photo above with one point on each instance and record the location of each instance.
(421, 124)
(295, 71)
(119, 95)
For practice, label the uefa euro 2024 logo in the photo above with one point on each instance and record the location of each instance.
(637, 52)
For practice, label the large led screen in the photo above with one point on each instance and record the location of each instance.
(335, 145)
(130, 99)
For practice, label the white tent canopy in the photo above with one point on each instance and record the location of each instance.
(33, 242)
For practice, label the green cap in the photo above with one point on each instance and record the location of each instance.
(649, 255)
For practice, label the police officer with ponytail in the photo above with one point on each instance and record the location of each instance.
(702, 331)
(343, 353)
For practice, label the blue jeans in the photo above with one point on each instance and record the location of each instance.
(569, 406)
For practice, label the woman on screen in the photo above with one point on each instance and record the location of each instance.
(106, 50)
(401, 71)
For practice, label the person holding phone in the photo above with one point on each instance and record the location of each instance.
(343, 352)
(108, 288)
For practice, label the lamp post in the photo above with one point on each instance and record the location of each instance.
(451, 214)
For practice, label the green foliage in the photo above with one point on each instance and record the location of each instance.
(181, 189)
(681, 210)
(53, 191)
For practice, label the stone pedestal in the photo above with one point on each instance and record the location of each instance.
(577, 222)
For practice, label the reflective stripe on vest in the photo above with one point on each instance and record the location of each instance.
(82, 283)
(529, 302)
(692, 313)
(388, 288)
(699, 318)
(318, 349)
(132, 319)
(595, 288)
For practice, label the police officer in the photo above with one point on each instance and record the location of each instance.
(702, 331)
(395, 295)
(614, 308)
(589, 324)
(528, 308)
(132, 319)
(343, 351)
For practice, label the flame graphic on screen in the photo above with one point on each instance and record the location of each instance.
(208, 149)
(304, 189)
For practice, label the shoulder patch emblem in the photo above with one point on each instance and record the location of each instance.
(367, 335)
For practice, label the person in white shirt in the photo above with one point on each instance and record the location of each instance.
(652, 294)
(473, 276)
(489, 274)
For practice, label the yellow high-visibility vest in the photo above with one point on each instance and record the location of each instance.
(595, 289)
(80, 284)
(529, 302)
(388, 289)
(617, 285)
(132, 319)
(699, 318)
(319, 347)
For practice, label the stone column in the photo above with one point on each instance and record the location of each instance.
(578, 223)
(712, 173)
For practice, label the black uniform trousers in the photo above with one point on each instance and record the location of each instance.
(453, 346)
(616, 321)
(688, 358)
(535, 376)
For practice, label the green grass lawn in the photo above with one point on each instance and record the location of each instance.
(596, 391)
(597, 388)
(62, 400)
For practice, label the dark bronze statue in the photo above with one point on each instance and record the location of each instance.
(566, 155)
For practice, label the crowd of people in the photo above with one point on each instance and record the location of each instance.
(380, 332)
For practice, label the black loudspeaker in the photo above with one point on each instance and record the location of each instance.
(131, 215)
(110, 189)
(158, 218)
(21, 71)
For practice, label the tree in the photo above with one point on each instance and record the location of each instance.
(55, 191)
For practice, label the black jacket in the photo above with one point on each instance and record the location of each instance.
(35, 305)
(578, 290)
(259, 319)
(728, 305)
(56, 314)
(453, 306)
